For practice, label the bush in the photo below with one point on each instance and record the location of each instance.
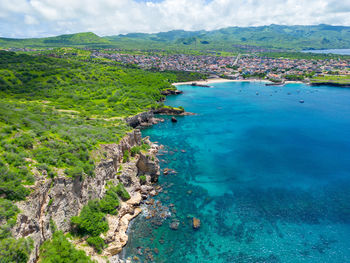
(110, 202)
(122, 193)
(135, 150)
(15, 250)
(126, 156)
(97, 243)
(25, 141)
(143, 179)
(91, 220)
(60, 250)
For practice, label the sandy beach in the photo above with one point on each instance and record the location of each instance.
(219, 80)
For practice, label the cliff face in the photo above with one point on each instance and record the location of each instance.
(60, 198)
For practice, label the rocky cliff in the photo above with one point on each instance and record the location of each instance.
(60, 198)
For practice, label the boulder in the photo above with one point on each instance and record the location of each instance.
(174, 225)
(196, 223)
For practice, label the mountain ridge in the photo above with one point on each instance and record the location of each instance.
(273, 36)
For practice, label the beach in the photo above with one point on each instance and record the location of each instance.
(220, 80)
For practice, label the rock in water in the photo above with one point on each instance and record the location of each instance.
(196, 223)
(173, 119)
(301, 101)
(174, 225)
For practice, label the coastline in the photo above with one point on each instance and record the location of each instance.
(222, 80)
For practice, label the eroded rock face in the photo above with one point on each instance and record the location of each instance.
(148, 165)
(61, 198)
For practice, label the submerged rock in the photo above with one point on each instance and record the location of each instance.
(173, 119)
(175, 225)
(196, 223)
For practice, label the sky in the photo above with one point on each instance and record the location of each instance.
(41, 18)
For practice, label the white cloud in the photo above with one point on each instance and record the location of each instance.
(34, 18)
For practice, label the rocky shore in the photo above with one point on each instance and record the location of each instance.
(60, 198)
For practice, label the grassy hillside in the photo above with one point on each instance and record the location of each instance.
(79, 39)
(227, 39)
(53, 113)
(273, 36)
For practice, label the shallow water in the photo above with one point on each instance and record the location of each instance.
(268, 176)
(329, 51)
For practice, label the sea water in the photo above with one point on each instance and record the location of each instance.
(267, 175)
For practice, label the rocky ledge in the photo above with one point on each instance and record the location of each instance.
(171, 92)
(146, 119)
(60, 198)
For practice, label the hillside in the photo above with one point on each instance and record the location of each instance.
(273, 36)
(79, 39)
(55, 115)
(293, 38)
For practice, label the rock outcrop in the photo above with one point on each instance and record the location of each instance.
(171, 92)
(60, 198)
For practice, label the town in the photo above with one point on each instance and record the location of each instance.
(234, 67)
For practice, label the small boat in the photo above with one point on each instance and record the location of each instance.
(301, 101)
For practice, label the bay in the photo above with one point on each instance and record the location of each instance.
(268, 176)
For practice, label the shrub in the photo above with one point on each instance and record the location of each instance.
(97, 243)
(143, 179)
(60, 250)
(15, 250)
(126, 156)
(110, 202)
(135, 150)
(91, 220)
(122, 193)
(75, 172)
(25, 141)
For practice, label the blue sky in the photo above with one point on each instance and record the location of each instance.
(39, 18)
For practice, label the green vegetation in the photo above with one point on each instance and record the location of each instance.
(240, 38)
(54, 114)
(137, 149)
(79, 39)
(15, 250)
(231, 39)
(122, 193)
(92, 221)
(143, 179)
(126, 156)
(94, 88)
(301, 55)
(60, 250)
(332, 79)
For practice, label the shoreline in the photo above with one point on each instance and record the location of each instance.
(222, 80)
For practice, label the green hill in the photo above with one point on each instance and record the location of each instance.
(273, 36)
(79, 39)
(227, 39)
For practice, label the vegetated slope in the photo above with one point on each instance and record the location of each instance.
(79, 39)
(273, 36)
(53, 114)
(227, 39)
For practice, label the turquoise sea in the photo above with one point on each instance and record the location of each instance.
(268, 176)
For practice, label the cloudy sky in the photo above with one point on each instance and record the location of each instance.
(39, 18)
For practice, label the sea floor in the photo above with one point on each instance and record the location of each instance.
(268, 177)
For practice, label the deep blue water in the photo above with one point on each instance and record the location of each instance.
(329, 51)
(268, 177)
